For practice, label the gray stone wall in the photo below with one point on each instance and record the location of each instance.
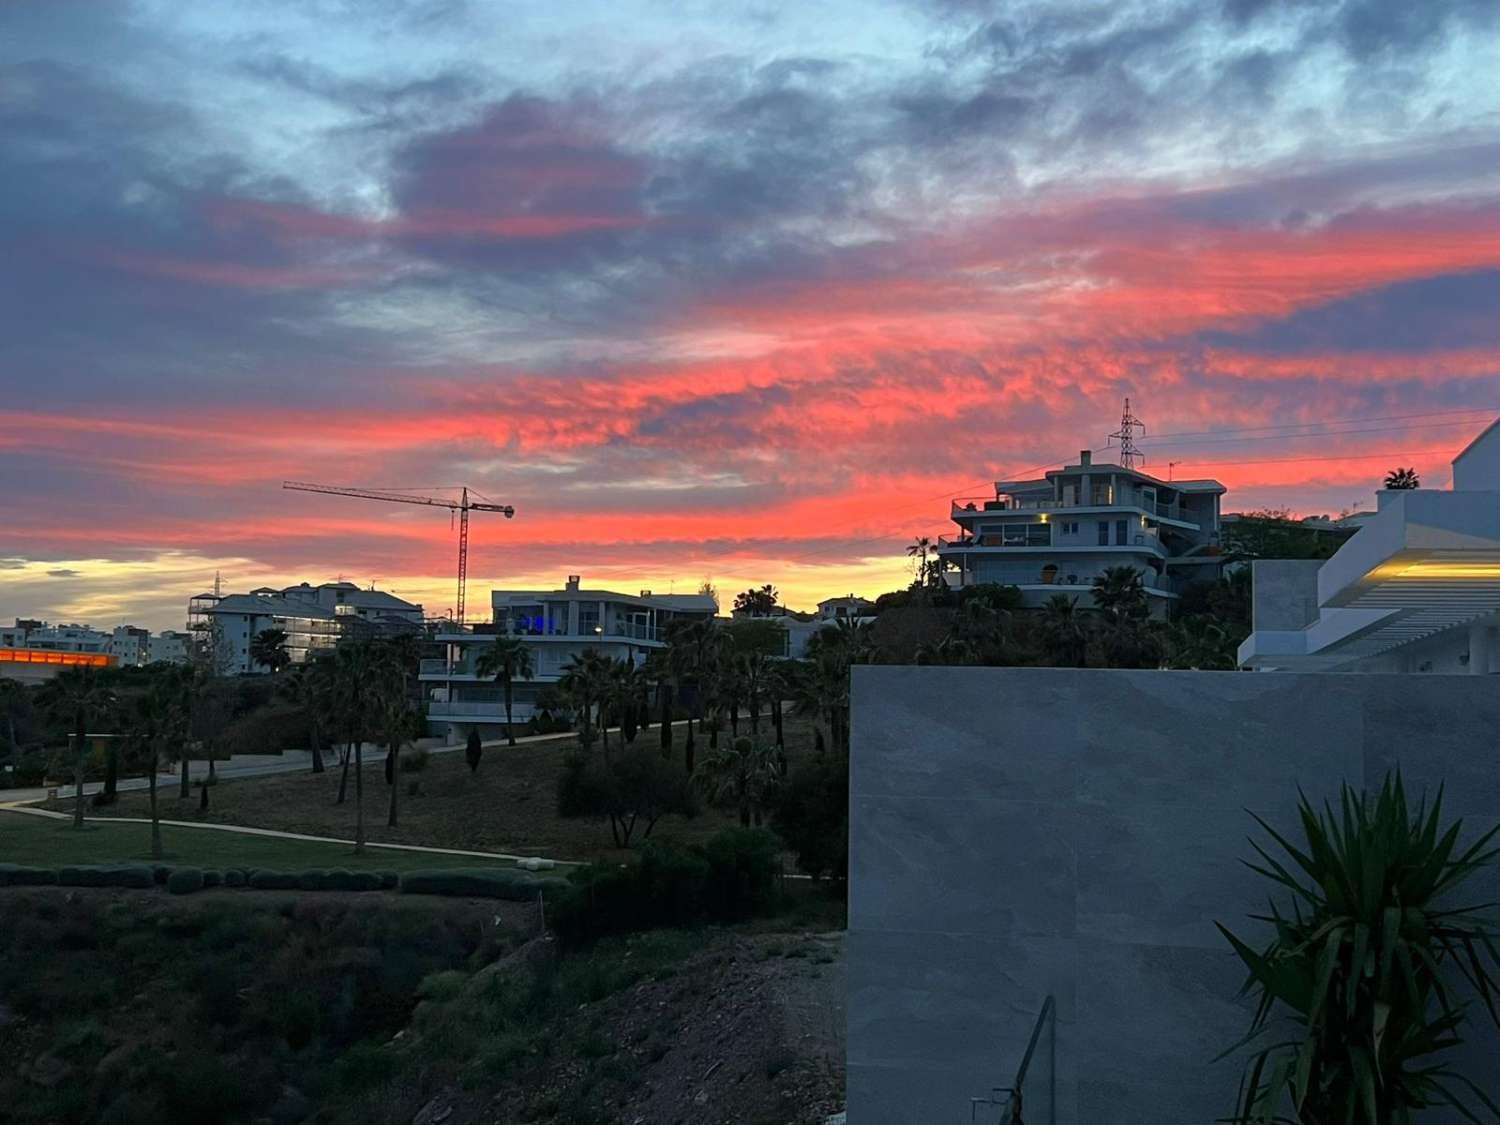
(1016, 833)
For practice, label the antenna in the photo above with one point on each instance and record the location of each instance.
(218, 585)
(1130, 456)
(1170, 466)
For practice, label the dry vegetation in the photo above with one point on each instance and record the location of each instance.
(509, 805)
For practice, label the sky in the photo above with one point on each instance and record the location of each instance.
(738, 292)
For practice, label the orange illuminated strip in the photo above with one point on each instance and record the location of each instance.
(48, 656)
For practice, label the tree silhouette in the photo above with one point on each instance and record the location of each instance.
(1402, 480)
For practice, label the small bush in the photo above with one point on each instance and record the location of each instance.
(389, 880)
(516, 886)
(185, 880)
(313, 881)
(234, 878)
(735, 876)
(812, 815)
(159, 873)
(273, 880)
(213, 878)
(415, 761)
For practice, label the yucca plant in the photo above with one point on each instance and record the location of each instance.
(1363, 967)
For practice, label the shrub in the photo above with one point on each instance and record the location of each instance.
(389, 880)
(234, 878)
(812, 815)
(736, 875)
(517, 886)
(635, 786)
(159, 873)
(213, 879)
(415, 760)
(105, 875)
(18, 875)
(313, 881)
(185, 880)
(273, 880)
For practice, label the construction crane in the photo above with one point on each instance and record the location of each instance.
(462, 506)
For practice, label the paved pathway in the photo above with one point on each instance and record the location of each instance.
(247, 831)
(260, 765)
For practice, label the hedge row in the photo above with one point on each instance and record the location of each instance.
(517, 886)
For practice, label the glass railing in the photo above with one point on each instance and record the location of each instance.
(1031, 1098)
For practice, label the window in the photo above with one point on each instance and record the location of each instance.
(1026, 535)
(1121, 534)
(1104, 533)
(1070, 527)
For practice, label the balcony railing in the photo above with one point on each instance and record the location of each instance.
(461, 708)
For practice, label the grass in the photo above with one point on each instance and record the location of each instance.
(50, 843)
(508, 805)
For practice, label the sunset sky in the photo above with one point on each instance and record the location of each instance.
(705, 289)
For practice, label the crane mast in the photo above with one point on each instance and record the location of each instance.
(460, 507)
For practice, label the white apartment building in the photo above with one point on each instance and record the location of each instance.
(850, 606)
(170, 646)
(131, 646)
(313, 618)
(557, 626)
(237, 618)
(1055, 534)
(349, 603)
(1416, 589)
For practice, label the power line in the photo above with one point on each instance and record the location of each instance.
(1489, 412)
(1295, 460)
(1329, 433)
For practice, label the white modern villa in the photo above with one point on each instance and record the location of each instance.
(1055, 534)
(1416, 589)
(557, 626)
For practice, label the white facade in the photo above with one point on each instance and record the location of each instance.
(345, 601)
(849, 606)
(43, 637)
(130, 645)
(238, 618)
(1417, 589)
(558, 626)
(169, 647)
(1056, 534)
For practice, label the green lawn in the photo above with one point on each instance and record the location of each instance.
(40, 842)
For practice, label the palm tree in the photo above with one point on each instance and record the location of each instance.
(507, 659)
(918, 550)
(623, 695)
(660, 670)
(12, 703)
(585, 679)
(746, 774)
(1198, 641)
(1063, 631)
(393, 707)
(1119, 592)
(1402, 480)
(159, 721)
(79, 693)
(354, 680)
(268, 648)
(308, 688)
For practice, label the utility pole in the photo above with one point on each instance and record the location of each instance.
(1130, 456)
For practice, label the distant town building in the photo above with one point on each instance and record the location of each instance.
(31, 650)
(557, 626)
(169, 647)
(1415, 589)
(848, 606)
(1056, 533)
(131, 646)
(373, 608)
